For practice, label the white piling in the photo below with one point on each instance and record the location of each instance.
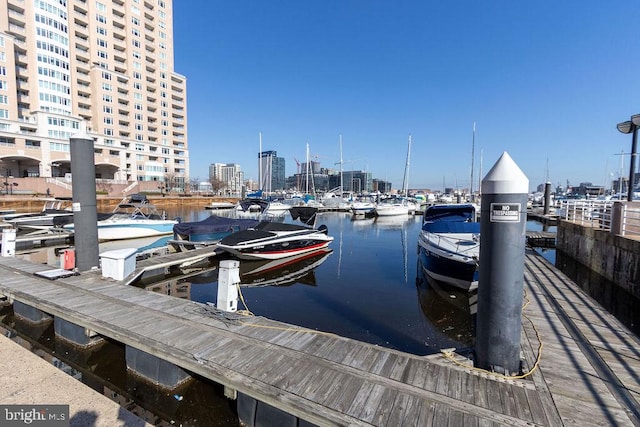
(228, 278)
(9, 242)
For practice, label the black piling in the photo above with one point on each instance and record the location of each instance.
(85, 214)
(500, 289)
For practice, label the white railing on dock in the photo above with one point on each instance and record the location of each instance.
(618, 217)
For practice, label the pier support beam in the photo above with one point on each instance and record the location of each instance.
(75, 334)
(253, 413)
(158, 371)
(85, 213)
(29, 313)
(502, 246)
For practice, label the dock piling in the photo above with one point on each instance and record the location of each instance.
(502, 254)
(85, 214)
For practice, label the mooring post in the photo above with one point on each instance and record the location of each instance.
(228, 278)
(85, 213)
(547, 198)
(500, 289)
(9, 242)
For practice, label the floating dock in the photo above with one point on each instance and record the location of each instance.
(584, 365)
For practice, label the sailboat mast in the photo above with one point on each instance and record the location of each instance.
(260, 163)
(405, 181)
(473, 149)
(341, 187)
(307, 180)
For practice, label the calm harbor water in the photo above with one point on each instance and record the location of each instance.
(368, 288)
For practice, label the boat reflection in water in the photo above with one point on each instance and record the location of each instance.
(450, 310)
(283, 271)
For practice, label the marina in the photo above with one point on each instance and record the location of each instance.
(363, 344)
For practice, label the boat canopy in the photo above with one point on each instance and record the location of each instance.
(451, 227)
(451, 213)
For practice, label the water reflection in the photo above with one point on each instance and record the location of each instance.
(450, 310)
(283, 272)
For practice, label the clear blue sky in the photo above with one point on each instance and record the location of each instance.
(545, 81)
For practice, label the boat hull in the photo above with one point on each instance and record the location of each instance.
(275, 250)
(453, 269)
(134, 229)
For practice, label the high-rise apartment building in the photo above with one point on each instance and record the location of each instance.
(104, 67)
(228, 176)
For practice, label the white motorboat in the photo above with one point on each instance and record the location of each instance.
(54, 207)
(449, 245)
(392, 207)
(133, 218)
(363, 206)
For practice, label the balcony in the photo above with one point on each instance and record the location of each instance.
(16, 16)
(148, 35)
(118, 22)
(17, 5)
(80, 7)
(21, 59)
(17, 30)
(81, 21)
(118, 35)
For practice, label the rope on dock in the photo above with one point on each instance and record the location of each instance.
(448, 354)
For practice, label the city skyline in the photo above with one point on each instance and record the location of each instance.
(546, 82)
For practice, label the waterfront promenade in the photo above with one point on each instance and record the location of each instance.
(588, 372)
(30, 380)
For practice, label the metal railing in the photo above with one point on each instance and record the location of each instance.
(617, 217)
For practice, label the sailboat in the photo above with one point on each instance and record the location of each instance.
(397, 205)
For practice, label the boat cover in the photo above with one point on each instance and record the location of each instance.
(263, 230)
(245, 204)
(214, 224)
(306, 214)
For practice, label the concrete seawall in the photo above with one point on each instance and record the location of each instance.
(614, 257)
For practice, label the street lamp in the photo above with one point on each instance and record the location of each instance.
(631, 126)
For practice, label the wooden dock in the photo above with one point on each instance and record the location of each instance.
(588, 373)
(178, 259)
(541, 239)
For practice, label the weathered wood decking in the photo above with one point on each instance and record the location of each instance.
(588, 374)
